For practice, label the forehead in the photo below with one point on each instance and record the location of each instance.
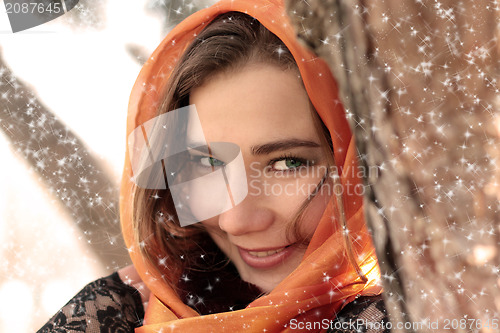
(257, 103)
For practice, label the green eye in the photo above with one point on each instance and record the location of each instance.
(209, 161)
(287, 164)
(291, 163)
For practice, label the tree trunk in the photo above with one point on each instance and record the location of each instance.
(419, 82)
(66, 167)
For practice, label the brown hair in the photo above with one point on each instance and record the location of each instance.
(228, 43)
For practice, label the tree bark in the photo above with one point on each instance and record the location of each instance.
(419, 82)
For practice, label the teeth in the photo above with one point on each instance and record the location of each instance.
(265, 253)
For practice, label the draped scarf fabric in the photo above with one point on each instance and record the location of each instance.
(325, 280)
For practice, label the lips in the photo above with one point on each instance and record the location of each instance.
(266, 258)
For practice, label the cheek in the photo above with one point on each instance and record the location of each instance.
(217, 235)
(314, 212)
(213, 229)
(206, 197)
(212, 225)
(287, 198)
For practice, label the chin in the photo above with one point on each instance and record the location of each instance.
(267, 279)
(264, 286)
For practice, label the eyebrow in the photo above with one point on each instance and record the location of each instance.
(270, 147)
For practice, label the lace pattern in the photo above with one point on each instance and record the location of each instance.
(105, 305)
(365, 314)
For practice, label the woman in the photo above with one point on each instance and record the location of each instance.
(240, 200)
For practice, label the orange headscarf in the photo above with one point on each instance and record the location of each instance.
(325, 280)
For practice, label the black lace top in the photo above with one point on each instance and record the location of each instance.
(109, 305)
(105, 305)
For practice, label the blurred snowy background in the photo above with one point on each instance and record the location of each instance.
(64, 89)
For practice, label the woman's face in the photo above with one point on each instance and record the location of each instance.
(266, 112)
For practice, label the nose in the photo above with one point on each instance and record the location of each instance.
(250, 215)
(251, 211)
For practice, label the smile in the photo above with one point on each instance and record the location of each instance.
(266, 258)
(265, 253)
